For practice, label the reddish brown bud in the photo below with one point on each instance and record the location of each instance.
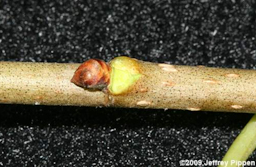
(92, 74)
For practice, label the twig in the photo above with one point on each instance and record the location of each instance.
(158, 86)
(44, 83)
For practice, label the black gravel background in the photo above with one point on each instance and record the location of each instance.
(212, 33)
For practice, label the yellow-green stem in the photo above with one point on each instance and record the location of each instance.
(242, 147)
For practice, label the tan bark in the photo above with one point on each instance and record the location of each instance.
(161, 86)
(44, 83)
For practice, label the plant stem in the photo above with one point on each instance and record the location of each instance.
(159, 86)
(44, 83)
(243, 145)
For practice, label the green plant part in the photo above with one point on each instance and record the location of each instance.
(124, 74)
(242, 147)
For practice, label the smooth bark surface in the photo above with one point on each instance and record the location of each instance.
(44, 83)
(160, 86)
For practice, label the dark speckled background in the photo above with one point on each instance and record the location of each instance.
(212, 33)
